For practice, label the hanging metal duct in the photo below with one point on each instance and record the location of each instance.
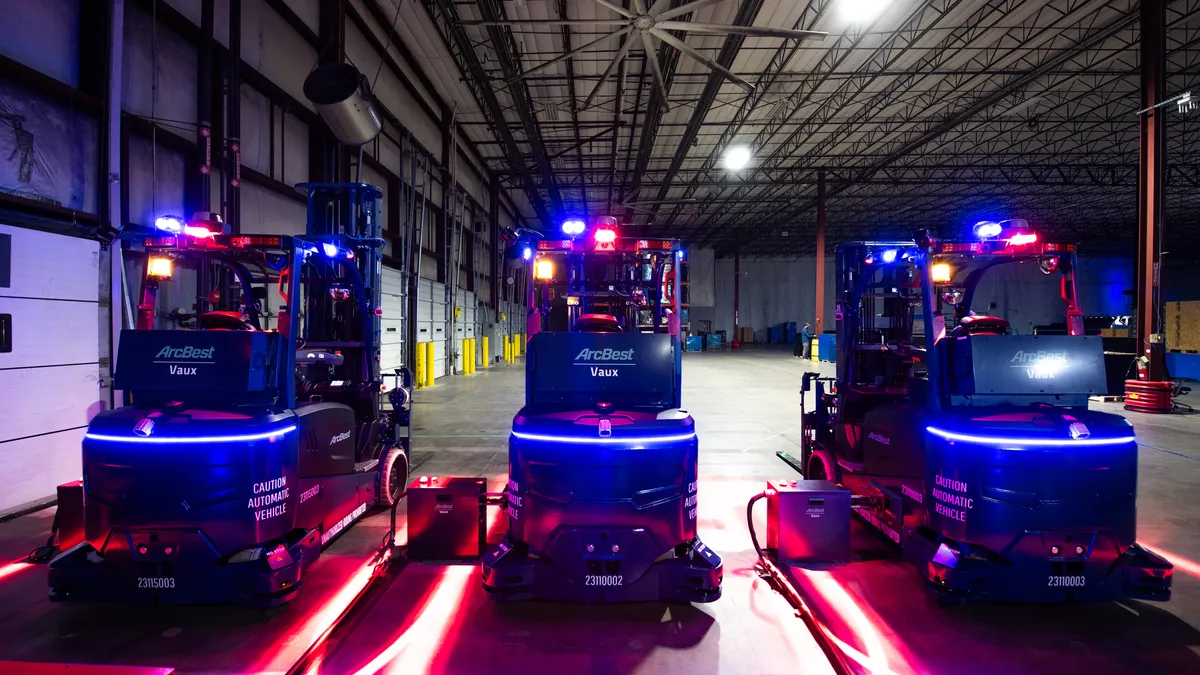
(343, 99)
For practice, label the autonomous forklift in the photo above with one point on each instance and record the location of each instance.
(243, 449)
(969, 446)
(601, 494)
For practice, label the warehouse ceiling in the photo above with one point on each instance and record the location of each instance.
(930, 114)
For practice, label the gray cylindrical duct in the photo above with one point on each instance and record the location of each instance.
(343, 99)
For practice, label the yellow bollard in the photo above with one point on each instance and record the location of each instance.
(419, 367)
(486, 356)
(471, 356)
(463, 348)
(516, 346)
(507, 350)
(429, 363)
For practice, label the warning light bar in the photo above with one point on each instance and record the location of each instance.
(256, 241)
(654, 244)
(554, 244)
(1022, 239)
(960, 247)
(1058, 248)
(160, 242)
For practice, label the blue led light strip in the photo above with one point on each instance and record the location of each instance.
(1028, 442)
(605, 440)
(192, 439)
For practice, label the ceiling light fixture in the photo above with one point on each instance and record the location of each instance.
(737, 157)
(863, 11)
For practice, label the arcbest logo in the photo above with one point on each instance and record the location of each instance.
(1031, 358)
(607, 354)
(1040, 365)
(190, 353)
(339, 438)
(879, 438)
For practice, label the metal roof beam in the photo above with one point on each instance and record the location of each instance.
(458, 44)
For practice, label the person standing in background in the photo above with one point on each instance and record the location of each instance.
(805, 342)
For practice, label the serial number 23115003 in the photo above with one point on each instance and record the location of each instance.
(1067, 582)
(603, 580)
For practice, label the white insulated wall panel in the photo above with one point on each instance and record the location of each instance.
(51, 378)
(43, 35)
(431, 321)
(391, 338)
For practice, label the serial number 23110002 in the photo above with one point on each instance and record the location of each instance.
(1067, 582)
(603, 580)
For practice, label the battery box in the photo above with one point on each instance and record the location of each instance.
(808, 521)
(447, 518)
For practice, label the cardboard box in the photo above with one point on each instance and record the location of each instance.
(1182, 326)
(747, 334)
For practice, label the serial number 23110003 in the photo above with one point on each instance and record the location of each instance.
(1067, 582)
(603, 580)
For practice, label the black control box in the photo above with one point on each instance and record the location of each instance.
(447, 518)
(808, 521)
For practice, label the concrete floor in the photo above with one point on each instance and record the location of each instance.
(746, 404)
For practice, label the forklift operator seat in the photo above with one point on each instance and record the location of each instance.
(598, 323)
(981, 325)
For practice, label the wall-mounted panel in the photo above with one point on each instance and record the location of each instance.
(43, 35)
(272, 48)
(292, 146)
(388, 89)
(256, 131)
(155, 180)
(48, 152)
(159, 80)
(267, 212)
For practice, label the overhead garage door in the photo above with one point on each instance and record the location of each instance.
(431, 321)
(49, 360)
(391, 337)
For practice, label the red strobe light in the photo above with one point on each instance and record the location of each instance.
(605, 236)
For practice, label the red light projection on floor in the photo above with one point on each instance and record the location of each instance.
(414, 650)
(13, 568)
(866, 626)
(1180, 563)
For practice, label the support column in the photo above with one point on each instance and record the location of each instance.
(737, 280)
(119, 313)
(1150, 189)
(819, 311)
(201, 194)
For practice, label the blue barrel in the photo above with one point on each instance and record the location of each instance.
(827, 347)
(694, 343)
(775, 334)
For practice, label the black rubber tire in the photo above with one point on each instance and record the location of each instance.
(393, 476)
(815, 469)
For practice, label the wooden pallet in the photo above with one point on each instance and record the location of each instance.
(1106, 399)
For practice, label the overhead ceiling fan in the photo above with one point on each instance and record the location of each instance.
(649, 24)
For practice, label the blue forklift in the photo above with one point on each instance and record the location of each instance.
(243, 449)
(969, 446)
(601, 494)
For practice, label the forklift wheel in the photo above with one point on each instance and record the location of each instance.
(393, 476)
(821, 466)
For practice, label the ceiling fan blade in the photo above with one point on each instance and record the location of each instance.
(616, 8)
(573, 52)
(711, 64)
(752, 31)
(684, 9)
(612, 65)
(547, 22)
(652, 57)
(657, 7)
(639, 7)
